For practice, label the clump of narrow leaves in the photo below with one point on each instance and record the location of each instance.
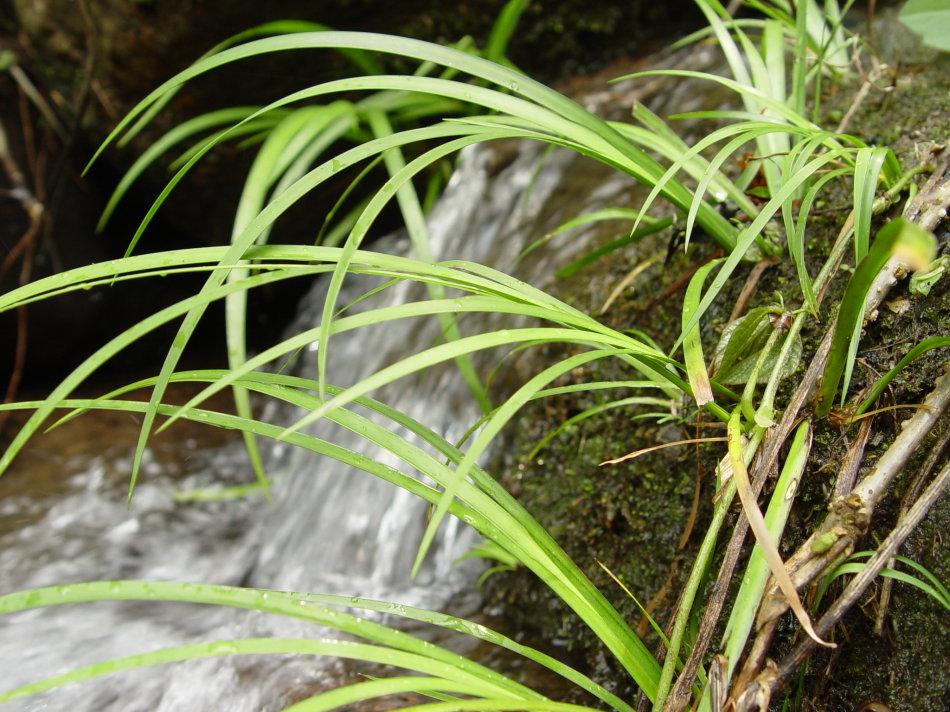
(459, 97)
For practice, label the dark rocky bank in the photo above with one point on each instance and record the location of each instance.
(633, 517)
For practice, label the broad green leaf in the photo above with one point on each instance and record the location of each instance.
(930, 19)
(741, 345)
(741, 340)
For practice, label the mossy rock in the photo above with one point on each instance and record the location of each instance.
(631, 517)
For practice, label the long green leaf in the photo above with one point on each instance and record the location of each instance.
(240, 245)
(280, 148)
(279, 27)
(796, 238)
(362, 691)
(928, 344)
(898, 238)
(748, 235)
(867, 168)
(564, 578)
(692, 344)
(625, 155)
(492, 427)
(414, 220)
(263, 646)
(174, 136)
(759, 529)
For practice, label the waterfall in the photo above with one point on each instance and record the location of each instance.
(329, 528)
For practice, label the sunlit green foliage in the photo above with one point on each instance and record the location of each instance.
(459, 97)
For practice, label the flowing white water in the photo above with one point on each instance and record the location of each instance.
(329, 529)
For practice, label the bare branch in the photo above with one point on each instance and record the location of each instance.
(844, 525)
(856, 588)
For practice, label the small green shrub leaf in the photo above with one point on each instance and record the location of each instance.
(930, 19)
(922, 281)
(741, 344)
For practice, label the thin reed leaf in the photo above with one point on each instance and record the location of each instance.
(899, 238)
(867, 169)
(372, 689)
(575, 266)
(796, 238)
(588, 413)
(692, 344)
(749, 234)
(759, 528)
(174, 136)
(414, 220)
(503, 29)
(596, 216)
(851, 567)
(928, 344)
(493, 426)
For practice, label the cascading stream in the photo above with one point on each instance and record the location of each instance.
(329, 529)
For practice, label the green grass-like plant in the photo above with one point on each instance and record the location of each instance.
(459, 97)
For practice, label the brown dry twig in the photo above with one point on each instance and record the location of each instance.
(852, 460)
(748, 289)
(835, 538)
(858, 585)
(23, 251)
(910, 496)
(644, 451)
